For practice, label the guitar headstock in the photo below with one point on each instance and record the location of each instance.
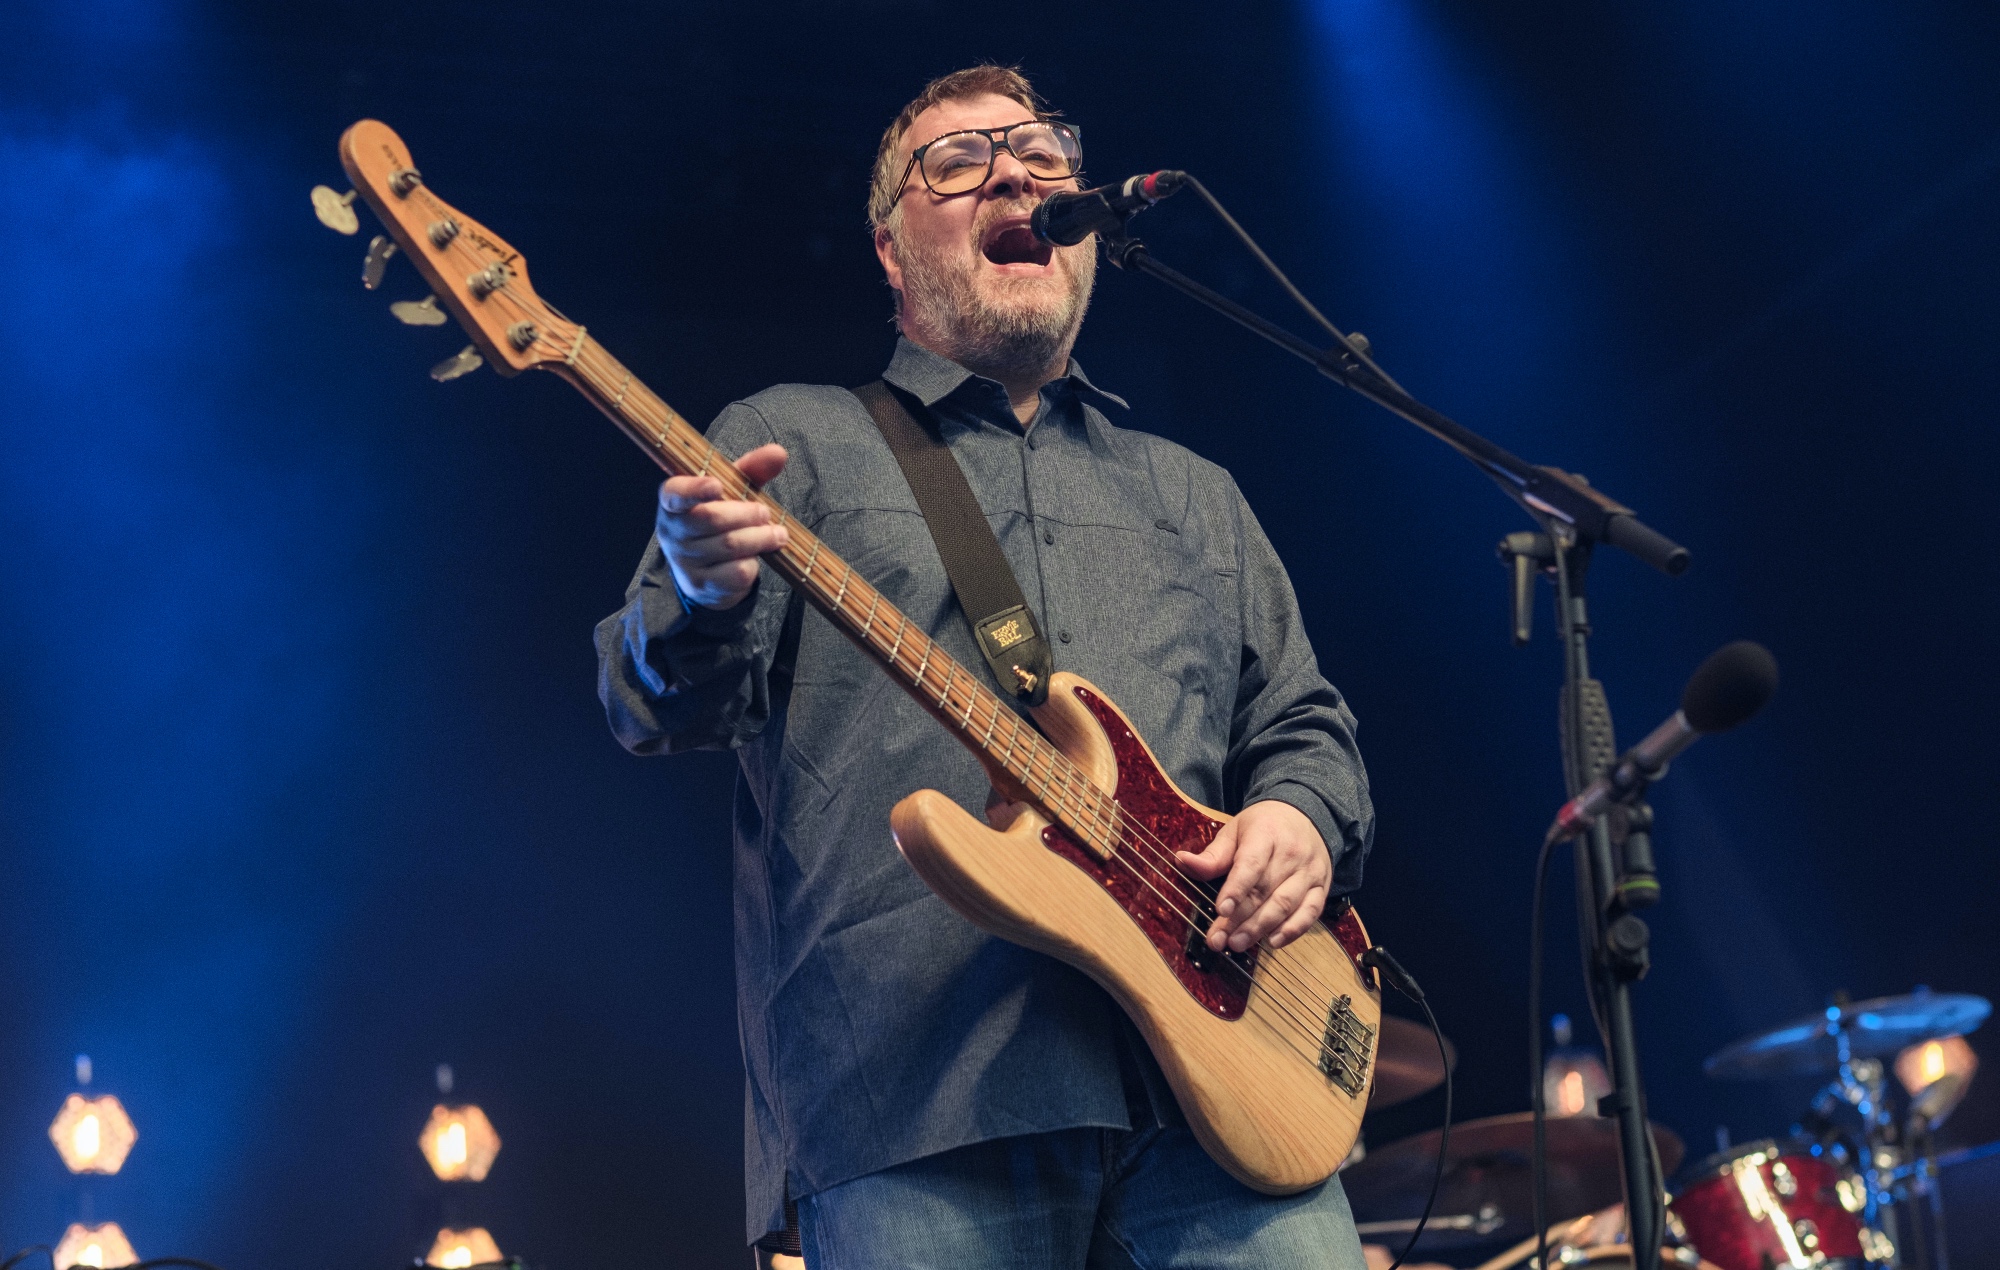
(476, 276)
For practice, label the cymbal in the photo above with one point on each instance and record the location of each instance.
(1866, 1029)
(1491, 1164)
(1406, 1063)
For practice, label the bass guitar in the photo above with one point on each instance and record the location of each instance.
(1270, 1052)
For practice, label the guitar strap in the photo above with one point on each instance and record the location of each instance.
(988, 592)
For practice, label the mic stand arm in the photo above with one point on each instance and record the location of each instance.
(1575, 517)
(1547, 493)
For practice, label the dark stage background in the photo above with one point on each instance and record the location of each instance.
(303, 783)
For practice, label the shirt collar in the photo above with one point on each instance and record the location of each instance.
(931, 377)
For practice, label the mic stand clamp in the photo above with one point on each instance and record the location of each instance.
(1528, 554)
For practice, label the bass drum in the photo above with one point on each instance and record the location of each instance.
(1769, 1204)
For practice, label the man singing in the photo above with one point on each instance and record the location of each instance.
(928, 1095)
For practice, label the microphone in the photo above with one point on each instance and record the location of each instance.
(1065, 220)
(1733, 684)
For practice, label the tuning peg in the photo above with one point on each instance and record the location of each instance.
(463, 362)
(424, 312)
(380, 248)
(335, 211)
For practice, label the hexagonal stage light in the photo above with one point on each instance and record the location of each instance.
(93, 1135)
(457, 1249)
(97, 1247)
(460, 1143)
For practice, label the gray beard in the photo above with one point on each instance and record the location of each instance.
(1002, 340)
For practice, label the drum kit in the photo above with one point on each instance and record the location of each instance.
(1856, 1184)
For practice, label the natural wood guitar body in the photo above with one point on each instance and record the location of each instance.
(1252, 1086)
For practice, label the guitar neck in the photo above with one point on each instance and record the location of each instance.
(956, 696)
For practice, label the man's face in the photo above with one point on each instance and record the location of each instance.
(977, 285)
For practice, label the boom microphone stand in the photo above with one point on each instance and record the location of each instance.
(1573, 519)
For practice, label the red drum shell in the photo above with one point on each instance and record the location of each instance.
(1724, 1227)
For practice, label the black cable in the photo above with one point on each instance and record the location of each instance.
(1539, 1157)
(1360, 351)
(26, 1253)
(1392, 970)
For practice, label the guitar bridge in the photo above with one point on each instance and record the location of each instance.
(1346, 1048)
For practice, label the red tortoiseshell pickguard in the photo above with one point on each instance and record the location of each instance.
(1143, 878)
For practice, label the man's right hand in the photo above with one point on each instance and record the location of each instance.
(712, 542)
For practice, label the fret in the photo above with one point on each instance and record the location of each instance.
(986, 742)
(971, 699)
(846, 576)
(1006, 756)
(807, 571)
(929, 646)
(874, 603)
(902, 628)
(945, 695)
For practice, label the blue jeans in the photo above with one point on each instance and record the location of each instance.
(1098, 1198)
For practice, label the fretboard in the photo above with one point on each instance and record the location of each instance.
(956, 696)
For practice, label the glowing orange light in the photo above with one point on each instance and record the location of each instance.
(1572, 1093)
(460, 1143)
(1572, 1082)
(457, 1249)
(93, 1135)
(1921, 1066)
(98, 1247)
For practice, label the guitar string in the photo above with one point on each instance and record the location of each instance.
(1094, 802)
(1284, 975)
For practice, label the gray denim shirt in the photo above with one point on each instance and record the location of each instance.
(878, 1026)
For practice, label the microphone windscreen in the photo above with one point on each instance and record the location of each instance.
(1733, 684)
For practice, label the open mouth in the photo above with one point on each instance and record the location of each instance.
(1016, 244)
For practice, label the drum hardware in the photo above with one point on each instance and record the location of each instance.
(1488, 1169)
(1803, 1204)
(1484, 1222)
(1595, 1239)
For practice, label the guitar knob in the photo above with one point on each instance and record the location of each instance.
(424, 312)
(380, 248)
(463, 362)
(335, 211)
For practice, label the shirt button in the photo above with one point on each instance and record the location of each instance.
(1063, 636)
(1049, 536)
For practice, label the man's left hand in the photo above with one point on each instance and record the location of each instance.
(1278, 870)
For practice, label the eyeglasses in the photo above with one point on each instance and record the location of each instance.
(960, 162)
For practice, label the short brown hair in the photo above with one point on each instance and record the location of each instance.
(973, 81)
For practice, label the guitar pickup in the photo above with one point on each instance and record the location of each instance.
(1199, 954)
